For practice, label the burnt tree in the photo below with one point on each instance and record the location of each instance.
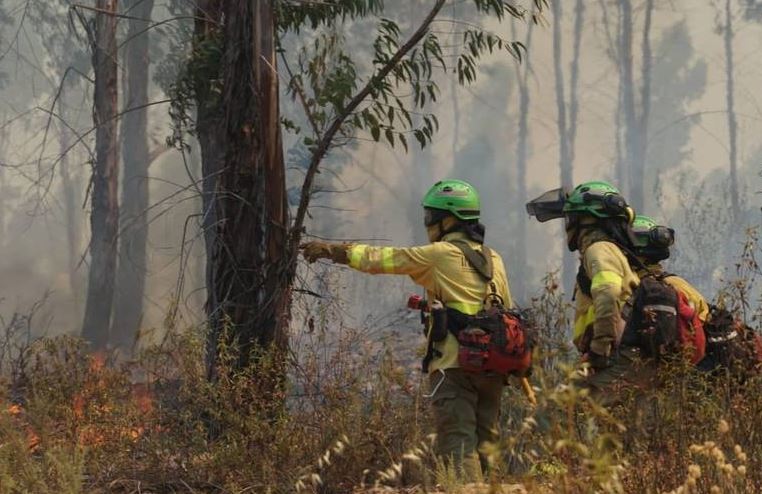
(250, 288)
(203, 68)
(104, 216)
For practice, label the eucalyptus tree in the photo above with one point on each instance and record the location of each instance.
(104, 215)
(136, 159)
(727, 15)
(520, 271)
(232, 80)
(567, 110)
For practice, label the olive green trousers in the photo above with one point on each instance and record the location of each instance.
(466, 410)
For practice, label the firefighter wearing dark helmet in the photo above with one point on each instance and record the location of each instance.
(596, 220)
(466, 405)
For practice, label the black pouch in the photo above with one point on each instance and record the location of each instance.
(438, 324)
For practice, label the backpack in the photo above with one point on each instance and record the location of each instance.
(496, 339)
(731, 345)
(662, 322)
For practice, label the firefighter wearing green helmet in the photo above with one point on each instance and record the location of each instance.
(596, 220)
(652, 244)
(465, 405)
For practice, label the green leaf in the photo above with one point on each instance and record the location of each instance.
(420, 137)
(389, 136)
(403, 140)
(375, 132)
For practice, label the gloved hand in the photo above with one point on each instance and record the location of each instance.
(312, 251)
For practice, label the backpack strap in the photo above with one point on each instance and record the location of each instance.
(481, 262)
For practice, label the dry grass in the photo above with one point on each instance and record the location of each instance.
(353, 420)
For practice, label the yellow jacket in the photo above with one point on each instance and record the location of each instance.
(443, 270)
(695, 299)
(612, 283)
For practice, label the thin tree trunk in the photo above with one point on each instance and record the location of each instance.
(561, 120)
(579, 21)
(519, 274)
(456, 12)
(628, 99)
(251, 286)
(131, 273)
(564, 158)
(621, 171)
(4, 132)
(638, 168)
(732, 123)
(104, 217)
(614, 52)
(71, 204)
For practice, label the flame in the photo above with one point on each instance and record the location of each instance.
(32, 439)
(143, 398)
(98, 361)
(88, 408)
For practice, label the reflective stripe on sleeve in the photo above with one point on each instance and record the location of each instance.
(582, 322)
(387, 259)
(356, 253)
(605, 278)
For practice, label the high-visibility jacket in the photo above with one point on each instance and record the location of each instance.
(694, 297)
(445, 273)
(612, 283)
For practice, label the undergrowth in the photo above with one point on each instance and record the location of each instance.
(353, 418)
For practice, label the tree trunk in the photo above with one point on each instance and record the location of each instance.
(209, 115)
(4, 133)
(579, 21)
(628, 100)
(131, 273)
(522, 145)
(104, 217)
(561, 120)
(249, 257)
(638, 168)
(456, 14)
(564, 159)
(732, 123)
(71, 205)
(614, 50)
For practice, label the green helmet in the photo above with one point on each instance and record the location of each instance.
(599, 199)
(454, 196)
(641, 227)
(651, 240)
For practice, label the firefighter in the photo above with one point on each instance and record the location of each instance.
(652, 244)
(597, 219)
(465, 405)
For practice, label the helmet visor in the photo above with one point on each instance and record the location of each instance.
(549, 206)
(661, 236)
(433, 216)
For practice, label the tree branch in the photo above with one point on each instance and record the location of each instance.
(327, 139)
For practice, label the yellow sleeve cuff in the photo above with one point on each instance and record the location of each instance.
(356, 253)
